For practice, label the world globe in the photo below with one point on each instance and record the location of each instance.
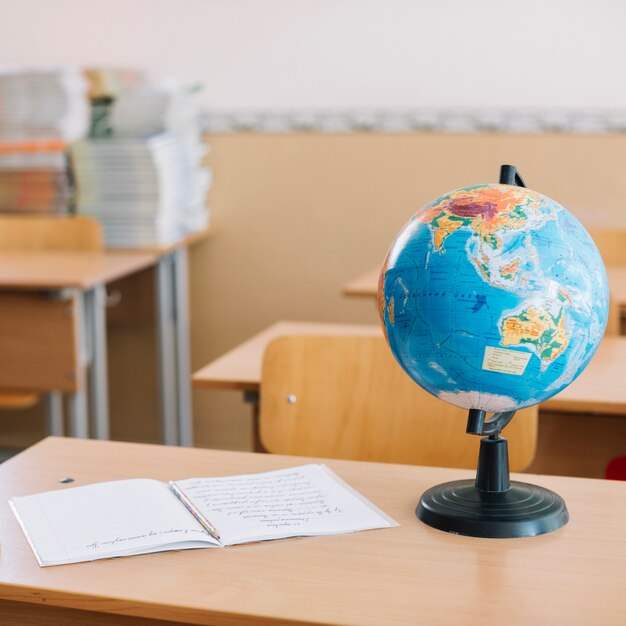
(493, 297)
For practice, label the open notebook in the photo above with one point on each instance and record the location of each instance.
(138, 516)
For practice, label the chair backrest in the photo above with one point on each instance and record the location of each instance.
(37, 232)
(346, 397)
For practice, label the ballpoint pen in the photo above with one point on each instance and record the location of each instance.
(194, 511)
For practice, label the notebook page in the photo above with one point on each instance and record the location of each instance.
(106, 519)
(297, 501)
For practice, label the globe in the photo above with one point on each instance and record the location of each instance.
(493, 297)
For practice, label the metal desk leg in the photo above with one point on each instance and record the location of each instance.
(95, 317)
(54, 413)
(77, 401)
(77, 405)
(254, 400)
(166, 348)
(183, 369)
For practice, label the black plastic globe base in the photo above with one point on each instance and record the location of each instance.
(523, 510)
(492, 505)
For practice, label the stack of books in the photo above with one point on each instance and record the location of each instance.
(41, 110)
(142, 174)
(34, 178)
(139, 188)
(43, 104)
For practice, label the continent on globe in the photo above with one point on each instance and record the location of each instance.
(544, 333)
(493, 297)
(499, 207)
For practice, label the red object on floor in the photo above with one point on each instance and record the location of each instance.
(616, 469)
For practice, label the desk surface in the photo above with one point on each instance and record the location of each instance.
(411, 574)
(600, 388)
(240, 368)
(366, 285)
(68, 270)
(185, 242)
(363, 286)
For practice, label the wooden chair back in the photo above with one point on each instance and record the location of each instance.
(37, 232)
(346, 397)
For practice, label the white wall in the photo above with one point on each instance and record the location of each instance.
(281, 54)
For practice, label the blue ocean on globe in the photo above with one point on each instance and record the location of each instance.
(493, 297)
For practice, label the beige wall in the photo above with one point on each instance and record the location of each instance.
(282, 54)
(297, 216)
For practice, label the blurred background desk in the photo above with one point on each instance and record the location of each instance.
(598, 389)
(366, 285)
(77, 278)
(131, 293)
(411, 574)
(580, 429)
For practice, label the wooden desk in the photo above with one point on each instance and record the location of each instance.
(82, 275)
(600, 388)
(86, 274)
(67, 270)
(366, 285)
(363, 286)
(409, 575)
(240, 368)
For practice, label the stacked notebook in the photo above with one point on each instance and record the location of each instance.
(43, 104)
(145, 191)
(40, 111)
(142, 174)
(34, 178)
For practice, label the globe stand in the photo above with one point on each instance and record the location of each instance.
(492, 505)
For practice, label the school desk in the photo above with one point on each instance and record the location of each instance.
(79, 279)
(366, 285)
(600, 388)
(408, 575)
(86, 274)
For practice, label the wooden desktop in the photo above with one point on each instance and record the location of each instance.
(365, 285)
(411, 574)
(598, 389)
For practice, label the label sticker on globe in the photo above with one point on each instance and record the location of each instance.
(505, 361)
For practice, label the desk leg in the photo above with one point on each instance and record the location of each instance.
(54, 413)
(166, 348)
(183, 369)
(77, 401)
(172, 282)
(252, 398)
(77, 405)
(95, 317)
